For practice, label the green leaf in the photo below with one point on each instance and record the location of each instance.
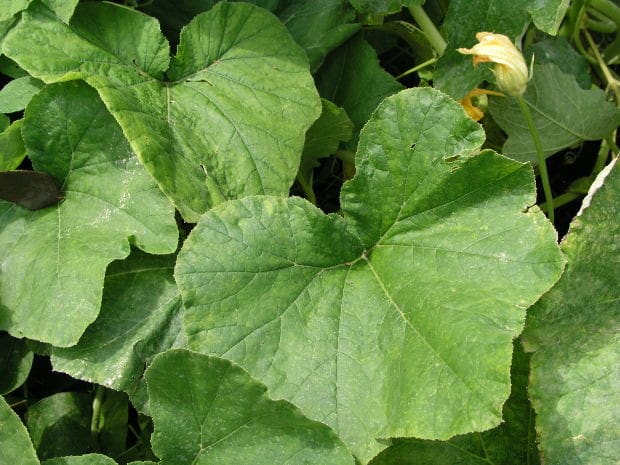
(563, 113)
(511, 443)
(369, 317)
(54, 259)
(229, 122)
(12, 7)
(63, 8)
(353, 79)
(88, 459)
(319, 26)
(140, 317)
(29, 189)
(213, 412)
(17, 93)
(16, 445)
(574, 381)
(548, 14)
(15, 363)
(5, 122)
(60, 425)
(559, 52)
(12, 149)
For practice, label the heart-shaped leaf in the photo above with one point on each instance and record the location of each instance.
(398, 319)
(54, 259)
(228, 118)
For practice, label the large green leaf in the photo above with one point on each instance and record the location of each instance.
(353, 79)
(563, 113)
(12, 149)
(15, 363)
(397, 320)
(16, 446)
(573, 329)
(213, 413)
(511, 443)
(455, 73)
(54, 259)
(230, 119)
(140, 317)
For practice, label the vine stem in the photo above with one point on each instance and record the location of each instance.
(428, 27)
(94, 422)
(611, 81)
(542, 164)
(416, 68)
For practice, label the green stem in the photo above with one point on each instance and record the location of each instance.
(416, 68)
(560, 200)
(94, 421)
(306, 186)
(612, 82)
(346, 156)
(542, 164)
(430, 30)
(608, 8)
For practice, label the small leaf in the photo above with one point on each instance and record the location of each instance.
(88, 459)
(60, 425)
(573, 333)
(15, 363)
(16, 445)
(563, 113)
(17, 93)
(212, 412)
(12, 151)
(30, 189)
(398, 319)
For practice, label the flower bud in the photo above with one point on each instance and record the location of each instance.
(510, 69)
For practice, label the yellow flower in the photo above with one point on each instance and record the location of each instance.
(510, 70)
(472, 110)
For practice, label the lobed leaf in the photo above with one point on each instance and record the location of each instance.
(396, 320)
(54, 259)
(226, 120)
(213, 412)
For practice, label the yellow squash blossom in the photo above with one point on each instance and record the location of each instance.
(510, 70)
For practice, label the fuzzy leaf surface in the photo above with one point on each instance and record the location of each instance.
(573, 331)
(54, 259)
(213, 413)
(226, 120)
(563, 113)
(398, 319)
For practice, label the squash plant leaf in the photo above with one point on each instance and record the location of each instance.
(382, 7)
(54, 259)
(140, 317)
(17, 93)
(229, 120)
(352, 78)
(16, 444)
(15, 362)
(396, 320)
(12, 7)
(563, 113)
(213, 412)
(30, 189)
(574, 380)
(511, 443)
